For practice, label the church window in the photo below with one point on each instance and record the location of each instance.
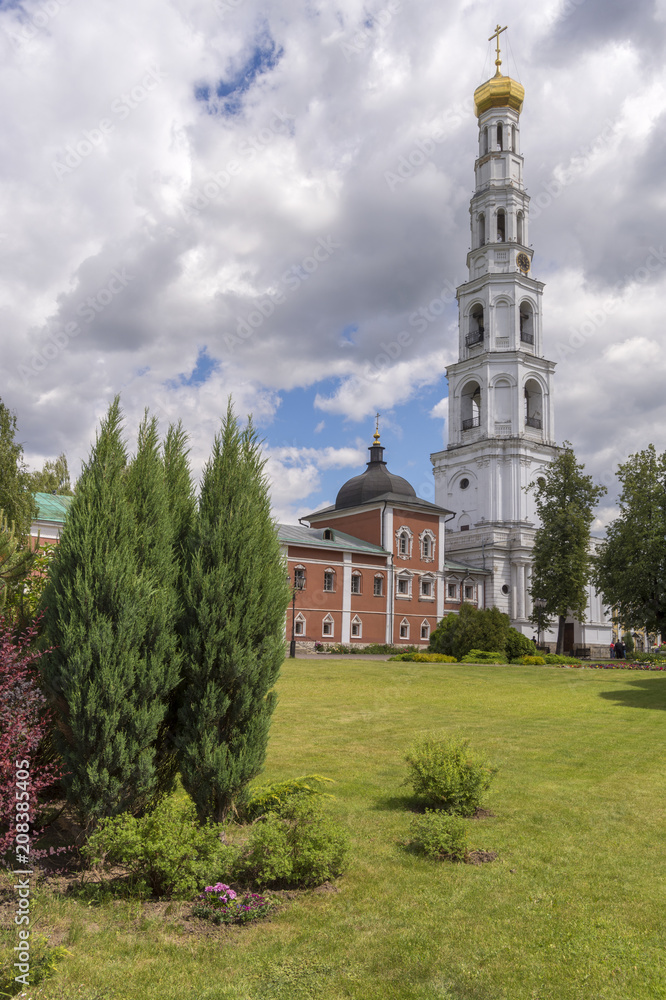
(526, 323)
(464, 483)
(514, 145)
(404, 586)
(505, 588)
(329, 581)
(378, 587)
(403, 537)
(425, 629)
(500, 138)
(464, 527)
(485, 140)
(533, 404)
(476, 327)
(482, 230)
(426, 587)
(356, 627)
(501, 225)
(452, 591)
(520, 227)
(427, 539)
(356, 583)
(471, 406)
(299, 578)
(404, 629)
(299, 625)
(327, 626)
(469, 592)
(328, 535)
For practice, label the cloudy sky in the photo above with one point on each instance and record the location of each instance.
(205, 197)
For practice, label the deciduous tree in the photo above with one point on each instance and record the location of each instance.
(565, 499)
(16, 498)
(630, 568)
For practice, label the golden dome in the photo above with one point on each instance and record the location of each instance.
(499, 92)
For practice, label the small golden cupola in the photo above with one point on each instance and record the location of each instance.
(500, 91)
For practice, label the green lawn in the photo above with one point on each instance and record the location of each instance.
(573, 907)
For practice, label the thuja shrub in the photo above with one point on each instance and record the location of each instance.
(439, 835)
(448, 774)
(166, 852)
(24, 725)
(301, 848)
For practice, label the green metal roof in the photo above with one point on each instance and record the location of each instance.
(298, 534)
(51, 507)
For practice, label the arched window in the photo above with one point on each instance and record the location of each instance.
(501, 226)
(378, 587)
(329, 580)
(500, 137)
(403, 542)
(425, 629)
(404, 629)
(476, 327)
(356, 582)
(482, 230)
(299, 577)
(533, 404)
(526, 322)
(356, 627)
(427, 539)
(485, 140)
(471, 406)
(514, 139)
(519, 220)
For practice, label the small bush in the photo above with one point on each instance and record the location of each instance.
(484, 656)
(301, 848)
(439, 835)
(448, 774)
(424, 658)
(278, 796)
(526, 661)
(165, 852)
(518, 645)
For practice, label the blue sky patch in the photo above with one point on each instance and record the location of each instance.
(229, 92)
(202, 371)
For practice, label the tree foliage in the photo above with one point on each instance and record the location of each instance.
(108, 609)
(54, 478)
(17, 562)
(565, 500)
(16, 498)
(233, 636)
(477, 628)
(630, 567)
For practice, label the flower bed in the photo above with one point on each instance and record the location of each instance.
(220, 904)
(617, 665)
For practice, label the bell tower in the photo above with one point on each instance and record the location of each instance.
(501, 426)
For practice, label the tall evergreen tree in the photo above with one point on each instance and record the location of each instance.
(565, 500)
(630, 568)
(109, 671)
(237, 595)
(16, 498)
(180, 497)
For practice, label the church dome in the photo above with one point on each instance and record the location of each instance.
(499, 92)
(374, 482)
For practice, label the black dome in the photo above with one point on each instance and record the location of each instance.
(372, 483)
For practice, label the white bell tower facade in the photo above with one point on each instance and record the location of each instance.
(501, 426)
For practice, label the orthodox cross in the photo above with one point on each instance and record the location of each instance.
(496, 33)
(376, 434)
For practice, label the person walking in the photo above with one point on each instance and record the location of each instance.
(612, 650)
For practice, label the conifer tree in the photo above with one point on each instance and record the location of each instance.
(237, 595)
(109, 672)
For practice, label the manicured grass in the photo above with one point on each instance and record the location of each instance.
(573, 907)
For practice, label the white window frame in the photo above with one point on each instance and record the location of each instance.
(404, 530)
(379, 578)
(431, 581)
(328, 620)
(299, 624)
(329, 571)
(456, 593)
(425, 624)
(404, 624)
(472, 587)
(301, 571)
(358, 624)
(427, 535)
(403, 578)
(356, 576)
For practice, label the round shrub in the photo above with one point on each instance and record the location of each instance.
(439, 835)
(448, 774)
(300, 848)
(526, 661)
(165, 852)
